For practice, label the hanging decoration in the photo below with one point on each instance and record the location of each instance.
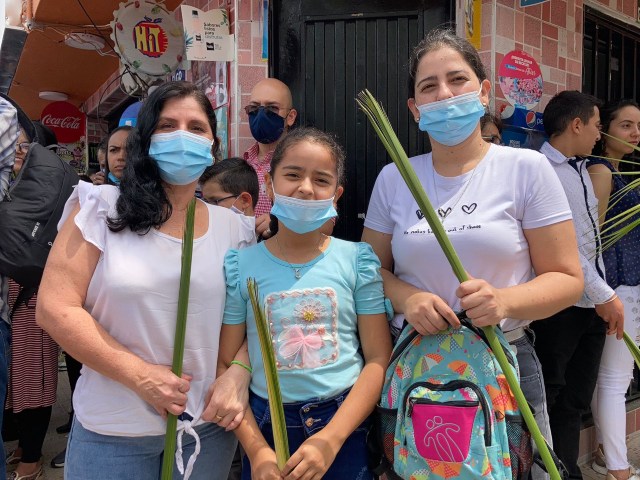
(148, 40)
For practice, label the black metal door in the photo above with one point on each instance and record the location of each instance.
(329, 50)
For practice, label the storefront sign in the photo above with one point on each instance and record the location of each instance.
(207, 34)
(520, 79)
(148, 38)
(70, 126)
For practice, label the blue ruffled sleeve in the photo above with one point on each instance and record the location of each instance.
(369, 295)
(97, 203)
(235, 307)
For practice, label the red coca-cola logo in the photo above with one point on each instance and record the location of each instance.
(67, 122)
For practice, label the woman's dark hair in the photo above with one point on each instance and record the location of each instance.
(488, 118)
(608, 113)
(143, 203)
(313, 135)
(439, 38)
(123, 128)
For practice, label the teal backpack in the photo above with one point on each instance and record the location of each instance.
(447, 412)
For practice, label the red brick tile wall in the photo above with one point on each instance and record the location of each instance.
(550, 32)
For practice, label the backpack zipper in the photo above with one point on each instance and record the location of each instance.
(413, 401)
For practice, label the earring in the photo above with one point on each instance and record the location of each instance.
(417, 119)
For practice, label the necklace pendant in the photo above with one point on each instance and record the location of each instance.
(296, 273)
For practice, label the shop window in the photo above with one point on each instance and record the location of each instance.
(610, 63)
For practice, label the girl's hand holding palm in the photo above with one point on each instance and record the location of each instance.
(312, 459)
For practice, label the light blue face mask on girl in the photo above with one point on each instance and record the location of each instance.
(453, 120)
(181, 156)
(113, 178)
(302, 216)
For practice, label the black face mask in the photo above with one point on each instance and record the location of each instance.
(266, 126)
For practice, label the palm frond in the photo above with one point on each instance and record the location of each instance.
(276, 409)
(181, 329)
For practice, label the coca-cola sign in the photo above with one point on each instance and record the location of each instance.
(68, 123)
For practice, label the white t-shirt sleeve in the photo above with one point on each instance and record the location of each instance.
(97, 203)
(378, 216)
(545, 201)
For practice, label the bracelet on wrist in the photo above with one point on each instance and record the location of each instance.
(243, 365)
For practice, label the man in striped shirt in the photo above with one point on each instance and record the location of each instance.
(271, 115)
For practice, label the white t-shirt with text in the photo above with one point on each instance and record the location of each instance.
(510, 190)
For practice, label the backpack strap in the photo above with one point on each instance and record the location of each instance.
(399, 349)
(26, 293)
(537, 459)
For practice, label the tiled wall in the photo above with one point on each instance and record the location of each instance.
(628, 8)
(550, 32)
(247, 26)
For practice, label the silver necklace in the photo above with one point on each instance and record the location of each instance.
(296, 270)
(443, 213)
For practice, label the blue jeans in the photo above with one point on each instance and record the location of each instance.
(5, 356)
(532, 385)
(105, 457)
(303, 419)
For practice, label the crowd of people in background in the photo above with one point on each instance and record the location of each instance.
(109, 292)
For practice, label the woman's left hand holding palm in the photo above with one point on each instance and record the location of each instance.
(482, 302)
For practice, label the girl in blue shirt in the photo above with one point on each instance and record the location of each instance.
(324, 302)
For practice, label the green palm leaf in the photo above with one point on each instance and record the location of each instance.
(380, 122)
(181, 328)
(633, 348)
(278, 423)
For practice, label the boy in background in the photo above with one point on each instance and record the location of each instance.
(231, 183)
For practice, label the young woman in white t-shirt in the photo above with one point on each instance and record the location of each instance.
(109, 298)
(504, 210)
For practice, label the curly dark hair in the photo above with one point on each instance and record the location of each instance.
(143, 203)
(313, 135)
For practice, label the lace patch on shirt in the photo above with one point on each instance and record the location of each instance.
(303, 326)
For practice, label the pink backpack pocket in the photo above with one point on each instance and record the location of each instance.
(442, 431)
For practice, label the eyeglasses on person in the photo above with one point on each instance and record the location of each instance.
(252, 109)
(23, 147)
(216, 201)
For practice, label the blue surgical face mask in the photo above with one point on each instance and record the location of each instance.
(266, 126)
(453, 120)
(181, 156)
(113, 178)
(302, 216)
